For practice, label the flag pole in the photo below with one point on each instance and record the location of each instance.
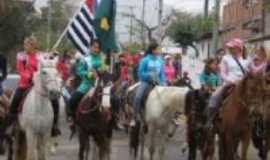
(61, 37)
(57, 43)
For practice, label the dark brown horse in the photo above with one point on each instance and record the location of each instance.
(6, 140)
(261, 126)
(196, 104)
(246, 99)
(95, 121)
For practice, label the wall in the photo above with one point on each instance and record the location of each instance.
(237, 17)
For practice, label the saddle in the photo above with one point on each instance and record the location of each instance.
(89, 104)
(226, 93)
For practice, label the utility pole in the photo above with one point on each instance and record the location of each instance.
(142, 27)
(49, 18)
(131, 24)
(160, 12)
(216, 28)
(206, 6)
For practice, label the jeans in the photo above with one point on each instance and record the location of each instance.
(55, 106)
(216, 98)
(137, 102)
(74, 102)
(17, 98)
(124, 86)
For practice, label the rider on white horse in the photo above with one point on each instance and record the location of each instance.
(27, 65)
(150, 72)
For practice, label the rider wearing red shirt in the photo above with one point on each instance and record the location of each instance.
(27, 65)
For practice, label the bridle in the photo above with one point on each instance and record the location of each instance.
(44, 92)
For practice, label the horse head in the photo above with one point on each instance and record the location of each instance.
(47, 78)
(252, 92)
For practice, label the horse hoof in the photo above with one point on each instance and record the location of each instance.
(2, 151)
(53, 149)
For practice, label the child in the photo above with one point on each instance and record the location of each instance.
(258, 63)
(209, 78)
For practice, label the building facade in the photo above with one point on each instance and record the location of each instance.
(246, 19)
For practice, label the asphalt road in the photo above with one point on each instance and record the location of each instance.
(68, 150)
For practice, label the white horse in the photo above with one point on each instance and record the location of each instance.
(36, 119)
(161, 106)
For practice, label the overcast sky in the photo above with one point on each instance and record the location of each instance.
(188, 5)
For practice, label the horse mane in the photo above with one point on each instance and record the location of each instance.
(239, 93)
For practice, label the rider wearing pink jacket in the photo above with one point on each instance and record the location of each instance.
(169, 69)
(233, 67)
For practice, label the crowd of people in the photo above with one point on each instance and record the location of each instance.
(150, 68)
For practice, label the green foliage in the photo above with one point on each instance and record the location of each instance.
(133, 48)
(267, 5)
(188, 28)
(21, 21)
(13, 26)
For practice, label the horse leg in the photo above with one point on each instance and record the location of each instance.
(83, 140)
(163, 136)
(192, 145)
(208, 148)
(41, 147)
(102, 142)
(264, 148)
(20, 146)
(229, 148)
(245, 145)
(10, 148)
(87, 149)
(142, 136)
(31, 143)
(152, 134)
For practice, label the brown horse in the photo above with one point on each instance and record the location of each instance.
(196, 104)
(4, 109)
(95, 121)
(261, 128)
(246, 99)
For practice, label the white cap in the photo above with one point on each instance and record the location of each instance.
(167, 57)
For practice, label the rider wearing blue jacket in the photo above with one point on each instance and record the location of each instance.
(150, 72)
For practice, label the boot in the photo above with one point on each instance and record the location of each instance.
(211, 114)
(55, 130)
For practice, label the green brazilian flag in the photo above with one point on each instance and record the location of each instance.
(104, 25)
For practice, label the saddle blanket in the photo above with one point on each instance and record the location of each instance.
(106, 98)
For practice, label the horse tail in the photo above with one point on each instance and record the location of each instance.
(73, 131)
(134, 139)
(188, 102)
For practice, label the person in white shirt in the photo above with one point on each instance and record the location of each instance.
(233, 68)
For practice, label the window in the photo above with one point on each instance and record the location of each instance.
(249, 3)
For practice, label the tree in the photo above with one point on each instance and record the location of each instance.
(21, 21)
(187, 29)
(152, 29)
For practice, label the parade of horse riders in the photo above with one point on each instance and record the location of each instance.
(134, 79)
